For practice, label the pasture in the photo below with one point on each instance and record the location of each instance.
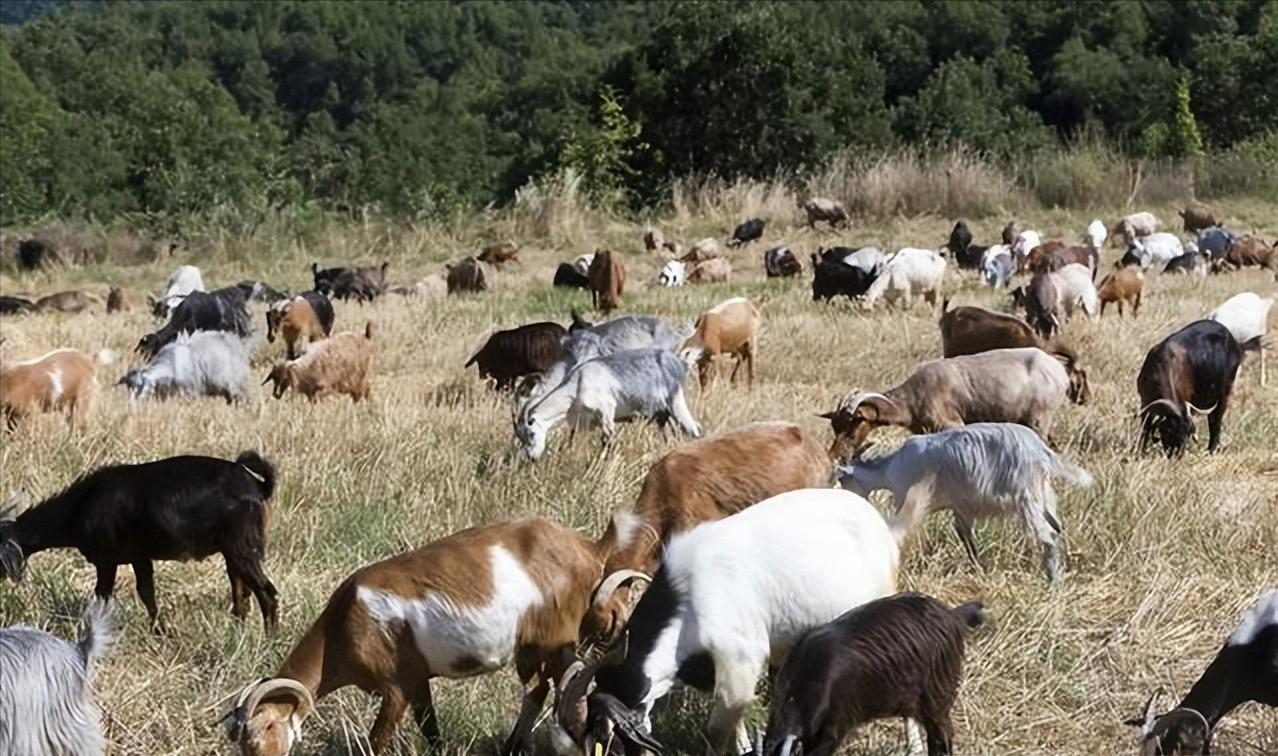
(1162, 554)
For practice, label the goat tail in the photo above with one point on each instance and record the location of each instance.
(1253, 345)
(97, 632)
(262, 471)
(104, 357)
(972, 614)
(1077, 476)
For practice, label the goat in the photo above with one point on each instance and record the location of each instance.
(259, 291)
(645, 383)
(180, 508)
(910, 271)
(1197, 217)
(465, 605)
(607, 280)
(975, 471)
(780, 262)
(998, 266)
(322, 278)
(832, 279)
(1247, 251)
(567, 276)
(219, 310)
(587, 340)
(470, 274)
(1192, 368)
(302, 320)
(1043, 258)
(36, 254)
(360, 284)
(500, 253)
(185, 280)
(1214, 242)
(714, 270)
(1246, 316)
(705, 249)
(1191, 262)
(967, 256)
(67, 301)
(900, 656)
(730, 596)
(1024, 245)
(653, 239)
(1010, 232)
(1133, 227)
(747, 231)
(46, 702)
(15, 305)
(730, 327)
(867, 259)
(972, 330)
(1025, 386)
(1049, 295)
(201, 363)
(1096, 236)
(341, 364)
(1155, 249)
(823, 209)
(116, 301)
(510, 355)
(1245, 669)
(64, 379)
(1123, 285)
(673, 273)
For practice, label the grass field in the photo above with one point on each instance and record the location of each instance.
(1162, 554)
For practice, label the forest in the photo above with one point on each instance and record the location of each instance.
(170, 108)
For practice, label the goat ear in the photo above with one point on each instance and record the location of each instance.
(831, 415)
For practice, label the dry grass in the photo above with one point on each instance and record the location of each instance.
(1162, 554)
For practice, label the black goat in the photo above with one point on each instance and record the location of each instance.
(747, 231)
(1192, 368)
(1245, 669)
(178, 508)
(218, 310)
(832, 279)
(361, 284)
(15, 305)
(510, 355)
(35, 254)
(780, 262)
(1187, 262)
(257, 291)
(966, 255)
(900, 656)
(567, 276)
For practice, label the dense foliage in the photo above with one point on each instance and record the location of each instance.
(173, 108)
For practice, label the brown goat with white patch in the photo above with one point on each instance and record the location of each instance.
(1125, 285)
(730, 327)
(62, 380)
(607, 276)
(341, 364)
(465, 605)
(699, 482)
(302, 320)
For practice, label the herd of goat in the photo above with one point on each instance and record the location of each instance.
(725, 570)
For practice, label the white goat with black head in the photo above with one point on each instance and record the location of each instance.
(975, 471)
(46, 697)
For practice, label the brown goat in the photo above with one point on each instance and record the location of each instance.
(500, 253)
(470, 274)
(730, 327)
(1198, 217)
(1041, 258)
(653, 239)
(341, 364)
(706, 249)
(67, 301)
(714, 270)
(1123, 285)
(1249, 250)
(62, 380)
(607, 275)
(116, 301)
(972, 330)
(302, 320)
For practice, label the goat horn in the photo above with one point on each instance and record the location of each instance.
(1207, 411)
(1156, 402)
(857, 399)
(1148, 716)
(610, 584)
(304, 700)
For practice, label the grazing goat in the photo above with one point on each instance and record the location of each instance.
(568, 276)
(35, 254)
(360, 284)
(832, 279)
(62, 380)
(900, 656)
(470, 274)
(823, 209)
(867, 259)
(673, 273)
(1214, 242)
(1245, 252)
(180, 508)
(706, 249)
(116, 301)
(731, 328)
(1124, 285)
(219, 310)
(586, 341)
(1096, 236)
(185, 280)
(976, 471)
(1245, 669)
(967, 256)
(714, 270)
(1049, 295)
(341, 364)
(1246, 316)
(653, 239)
(780, 262)
(1025, 386)
(1192, 368)
(1192, 262)
(500, 253)
(637, 383)
(46, 702)
(466, 605)
(67, 301)
(607, 280)
(15, 305)
(510, 355)
(731, 596)
(998, 266)
(202, 363)
(300, 321)
(1024, 245)
(908, 272)
(1132, 227)
(1197, 217)
(972, 330)
(746, 232)
(698, 482)
(322, 278)
(1154, 250)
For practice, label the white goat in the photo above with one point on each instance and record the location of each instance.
(1026, 242)
(673, 273)
(1246, 315)
(203, 363)
(1096, 235)
(976, 471)
(619, 386)
(1135, 226)
(910, 271)
(1157, 249)
(997, 266)
(1074, 289)
(184, 280)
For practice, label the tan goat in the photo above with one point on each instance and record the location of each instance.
(730, 327)
(607, 277)
(300, 321)
(1123, 285)
(63, 380)
(341, 364)
(68, 301)
(714, 270)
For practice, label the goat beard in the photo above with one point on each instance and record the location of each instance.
(12, 560)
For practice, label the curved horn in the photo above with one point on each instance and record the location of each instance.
(629, 724)
(611, 583)
(1208, 411)
(304, 700)
(1183, 712)
(854, 400)
(1156, 402)
(1148, 717)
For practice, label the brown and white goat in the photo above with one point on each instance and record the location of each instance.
(700, 482)
(63, 380)
(300, 321)
(341, 364)
(465, 605)
(730, 327)
(607, 277)
(1124, 285)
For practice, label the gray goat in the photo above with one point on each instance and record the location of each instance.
(587, 340)
(975, 471)
(644, 383)
(46, 701)
(203, 363)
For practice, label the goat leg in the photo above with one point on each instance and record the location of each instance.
(105, 585)
(535, 690)
(388, 716)
(144, 574)
(424, 713)
(964, 530)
